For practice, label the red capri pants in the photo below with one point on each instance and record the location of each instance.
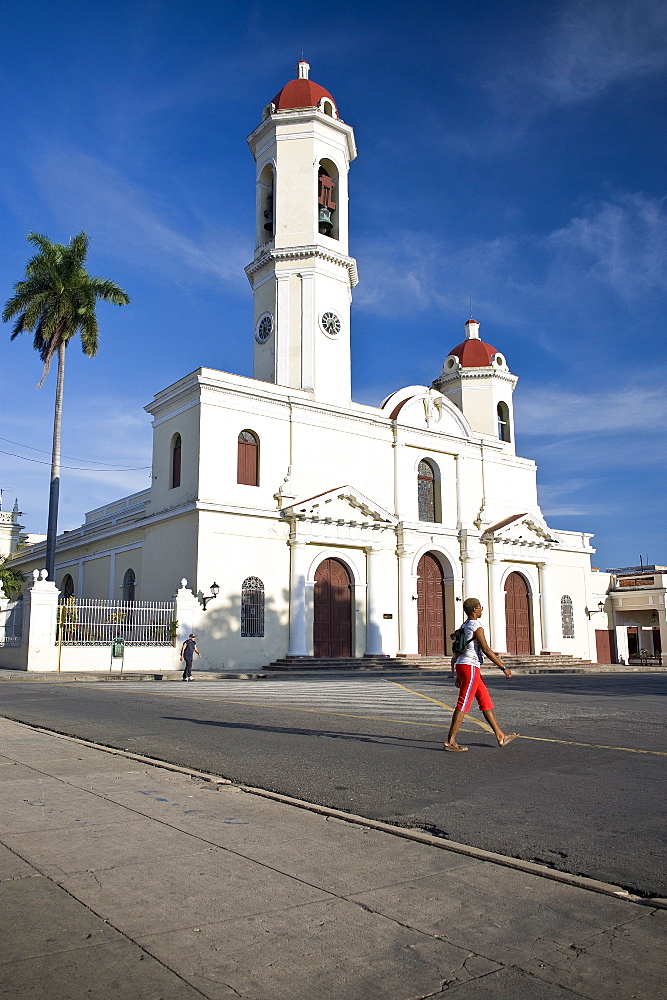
(471, 685)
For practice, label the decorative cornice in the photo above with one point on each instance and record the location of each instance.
(269, 255)
(473, 374)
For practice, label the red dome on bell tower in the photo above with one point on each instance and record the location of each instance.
(302, 92)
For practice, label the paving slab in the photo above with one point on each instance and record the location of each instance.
(12, 866)
(333, 949)
(124, 879)
(119, 971)
(213, 884)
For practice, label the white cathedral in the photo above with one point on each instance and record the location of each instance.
(333, 529)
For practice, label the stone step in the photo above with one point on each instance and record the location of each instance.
(300, 664)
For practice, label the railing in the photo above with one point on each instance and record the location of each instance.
(11, 625)
(86, 622)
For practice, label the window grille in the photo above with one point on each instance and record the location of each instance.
(252, 607)
(567, 617)
(426, 491)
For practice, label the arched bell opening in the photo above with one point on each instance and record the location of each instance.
(327, 199)
(266, 224)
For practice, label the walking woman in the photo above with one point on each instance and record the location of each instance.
(469, 678)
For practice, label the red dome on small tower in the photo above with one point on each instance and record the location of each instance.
(473, 352)
(302, 92)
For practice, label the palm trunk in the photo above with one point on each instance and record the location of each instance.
(54, 491)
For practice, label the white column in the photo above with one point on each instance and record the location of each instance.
(307, 331)
(622, 654)
(298, 645)
(374, 603)
(282, 340)
(187, 611)
(41, 623)
(474, 584)
(407, 606)
(550, 613)
(401, 480)
(662, 623)
(498, 641)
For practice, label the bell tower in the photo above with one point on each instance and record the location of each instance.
(301, 275)
(476, 377)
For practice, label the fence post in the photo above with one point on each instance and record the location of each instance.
(40, 623)
(187, 609)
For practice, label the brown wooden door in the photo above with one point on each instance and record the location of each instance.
(430, 607)
(517, 614)
(605, 645)
(332, 626)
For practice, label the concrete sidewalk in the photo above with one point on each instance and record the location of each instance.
(126, 880)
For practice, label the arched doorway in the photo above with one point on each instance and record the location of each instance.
(332, 625)
(517, 614)
(430, 607)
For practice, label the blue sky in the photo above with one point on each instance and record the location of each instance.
(510, 152)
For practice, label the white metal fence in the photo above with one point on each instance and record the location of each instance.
(11, 625)
(85, 622)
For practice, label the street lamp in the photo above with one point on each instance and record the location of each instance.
(595, 611)
(215, 590)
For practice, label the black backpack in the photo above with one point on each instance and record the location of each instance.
(459, 641)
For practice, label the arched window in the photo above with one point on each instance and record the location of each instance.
(176, 461)
(129, 585)
(567, 617)
(247, 466)
(67, 587)
(327, 199)
(503, 422)
(252, 607)
(426, 491)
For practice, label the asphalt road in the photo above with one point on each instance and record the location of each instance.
(583, 789)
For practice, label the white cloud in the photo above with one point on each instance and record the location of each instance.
(597, 43)
(621, 243)
(416, 272)
(125, 220)
(618, 246)
(640, 408)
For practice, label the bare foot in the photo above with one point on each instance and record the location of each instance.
(507, 738)
(454, 747)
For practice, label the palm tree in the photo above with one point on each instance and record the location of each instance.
(56, 300)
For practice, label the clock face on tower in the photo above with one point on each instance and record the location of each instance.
(331, 324)
(264, 328)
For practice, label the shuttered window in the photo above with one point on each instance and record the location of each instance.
(247, 469)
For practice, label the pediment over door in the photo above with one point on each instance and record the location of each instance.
(344, 504)
(520, 532)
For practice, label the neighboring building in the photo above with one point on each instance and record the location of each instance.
(334, 528)
(635, 608)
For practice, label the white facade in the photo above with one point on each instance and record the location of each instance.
(323, 483)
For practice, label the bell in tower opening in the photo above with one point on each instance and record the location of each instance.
(326, 204)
